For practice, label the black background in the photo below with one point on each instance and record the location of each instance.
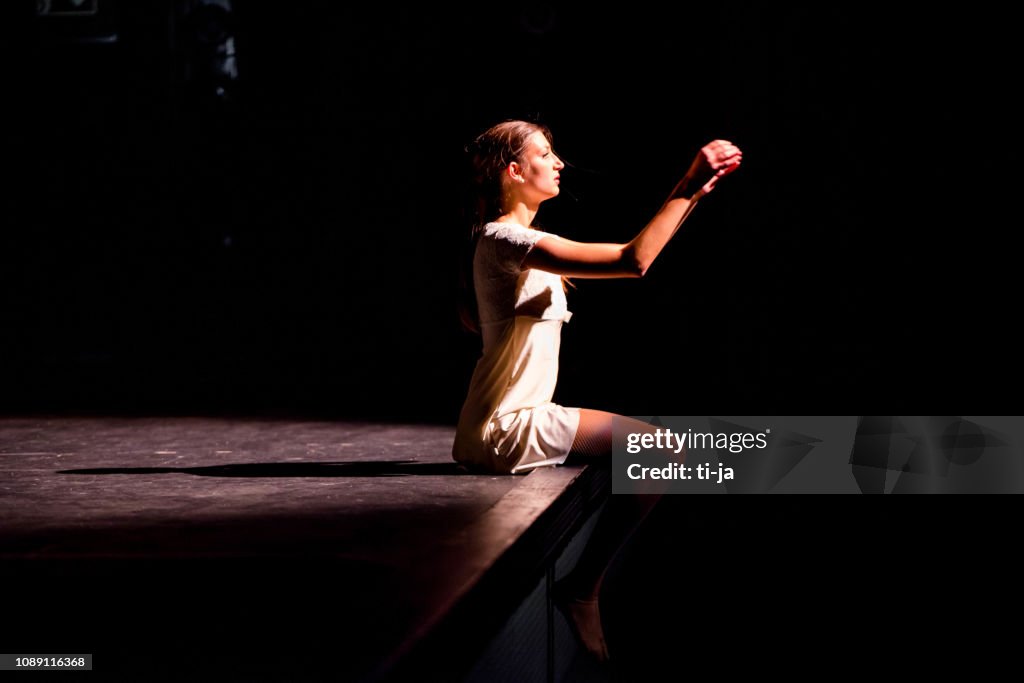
(294, 249)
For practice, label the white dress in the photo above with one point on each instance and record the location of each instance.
(508, 423)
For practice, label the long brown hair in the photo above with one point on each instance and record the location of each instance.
(488, 156)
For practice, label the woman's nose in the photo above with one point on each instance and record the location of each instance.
(558, 164)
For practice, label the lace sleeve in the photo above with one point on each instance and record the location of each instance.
(512, 243)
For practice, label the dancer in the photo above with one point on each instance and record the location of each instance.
(514, 296)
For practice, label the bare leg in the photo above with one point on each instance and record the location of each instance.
(577, 594)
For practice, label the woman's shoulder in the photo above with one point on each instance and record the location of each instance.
(514, 232)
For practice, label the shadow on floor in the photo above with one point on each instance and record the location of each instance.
(378, 468)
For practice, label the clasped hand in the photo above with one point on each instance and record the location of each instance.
(715, 160)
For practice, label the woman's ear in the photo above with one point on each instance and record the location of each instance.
(515, 172)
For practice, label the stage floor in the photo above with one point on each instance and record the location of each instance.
(259, 549)
(281, 547)
(201, 487)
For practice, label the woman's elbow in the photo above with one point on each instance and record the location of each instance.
(632, 265)
(636, 271)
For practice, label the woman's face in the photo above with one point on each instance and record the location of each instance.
(540, 168)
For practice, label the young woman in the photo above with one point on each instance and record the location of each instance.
(514, 291)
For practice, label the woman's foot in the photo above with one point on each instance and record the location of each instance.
(584, 620)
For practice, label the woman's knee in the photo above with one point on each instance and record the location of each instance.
(595, 434)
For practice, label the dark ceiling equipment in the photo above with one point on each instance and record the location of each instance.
(193, 41)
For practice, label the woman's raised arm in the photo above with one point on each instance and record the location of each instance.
(632, 259)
